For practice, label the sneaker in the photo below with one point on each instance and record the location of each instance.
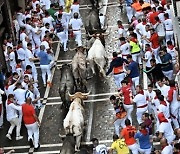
(19, 137)
(9, 136)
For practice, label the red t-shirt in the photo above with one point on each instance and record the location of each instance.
(28, 114)
(152, 17)
(155, 40)
(126, 92)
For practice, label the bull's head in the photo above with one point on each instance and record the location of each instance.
(80, 95)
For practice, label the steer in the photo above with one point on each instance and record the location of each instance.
(97, 55)
(79, 68)
(74, 120)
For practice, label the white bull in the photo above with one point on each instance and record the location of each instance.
(97, 55)
(74, 120)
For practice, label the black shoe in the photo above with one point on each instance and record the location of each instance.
(31, 143)
(37, 147)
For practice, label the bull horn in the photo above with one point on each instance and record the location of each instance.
(72, 49)
(86, 94)
(70, 94)
(90, 35)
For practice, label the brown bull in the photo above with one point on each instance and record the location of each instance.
(79, 68)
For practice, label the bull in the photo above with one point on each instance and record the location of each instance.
(97, 56)
(74, 120)
(67, 83)
(68, 145)
(95, 3)
(79, 69)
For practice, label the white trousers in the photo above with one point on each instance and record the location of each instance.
(129, 109)
(134, 148)
(63, 38)
(170, 36)
(117, 124)
(175, 112)
(77, 35)
(145, 151)
(168, 74)
(139, 114)
(118, 78)
(1, 116)
(15, 122)
(45, 69)
(33, 133)
(156, 55)
(135, 82)
(129, 11)
(137, 57)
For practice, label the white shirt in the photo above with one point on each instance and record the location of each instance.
(76, 24)
(140, 100)
(10, 89)
(167, 150)
(44, 29)
(166, 129)
(125, 49)
(46, 44)
(74, 8)
(21, 54)
(11, 111)
(25, 85)
(34, 5)
(173, 54)
(164, 109)
(164, 89)
(160, 29)
(12, 58)
(49, 20)
(34, 33)
(29, 31)
(168, 24)
(22, 36)
(121, 32)
(1, 93)
(148, 57)
(20, 95)
(161, 17)
(45, 3)
(29, 55)
(101, 149)
(148, 35)
(20, 19)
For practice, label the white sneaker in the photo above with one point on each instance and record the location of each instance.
(19, 137)
(9, 136)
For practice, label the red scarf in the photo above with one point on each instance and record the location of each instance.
(141, 92)
(162, 118)
(18, 66)
(18, 47)
(163, 103)
(134, 40)
(121, 26)
(9, 102)
(144, 131)
(144, 23)
(76, 3)
(171, 47)
(27, 72)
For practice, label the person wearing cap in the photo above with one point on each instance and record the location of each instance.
(165, 129)
(116, 66)
(76, 24)
(31, 122)
(120, 114)
(118, 145)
